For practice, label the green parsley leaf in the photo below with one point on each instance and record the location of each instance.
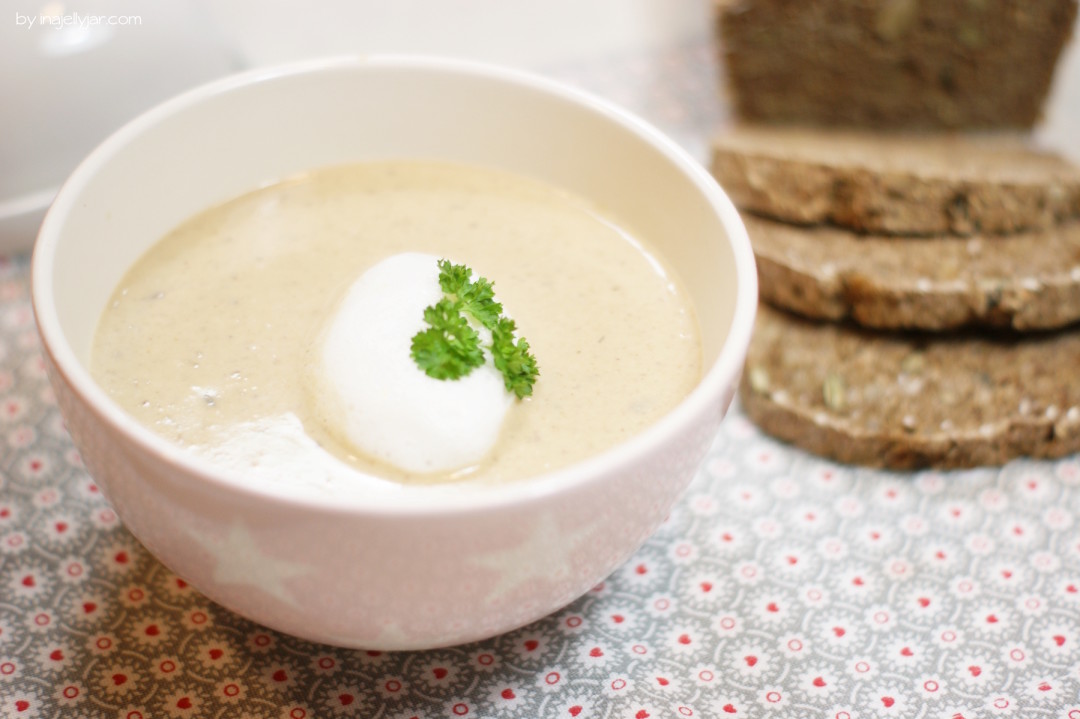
(513, 359)
(453, 278)
(476, 299)
(450, 347)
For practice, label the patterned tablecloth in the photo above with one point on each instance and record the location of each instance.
(780, 586)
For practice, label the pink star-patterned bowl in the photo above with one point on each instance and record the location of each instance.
(415, 567)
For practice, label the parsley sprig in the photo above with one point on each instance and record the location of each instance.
(450, 347)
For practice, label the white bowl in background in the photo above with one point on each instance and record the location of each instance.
(70, 76)
(427, 566)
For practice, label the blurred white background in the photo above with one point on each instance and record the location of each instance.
(523, 33)
(71, 71)
(63, 90)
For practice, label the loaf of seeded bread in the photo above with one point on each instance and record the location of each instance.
(893, 63)
(898, 184)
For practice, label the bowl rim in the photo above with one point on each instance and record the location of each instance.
(411, 499)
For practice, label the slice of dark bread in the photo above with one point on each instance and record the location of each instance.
(1025, 281)
(892, 63)
(909, 401)
(908, 184)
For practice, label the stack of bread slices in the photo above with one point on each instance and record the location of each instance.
(920, 293)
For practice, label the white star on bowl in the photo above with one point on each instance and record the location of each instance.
(518, 565)
(240, 561)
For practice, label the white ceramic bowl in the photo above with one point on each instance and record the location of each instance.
(423, 567)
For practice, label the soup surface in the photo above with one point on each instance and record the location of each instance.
(209, 337)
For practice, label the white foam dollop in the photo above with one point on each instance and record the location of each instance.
(373, 396)
(275, 453)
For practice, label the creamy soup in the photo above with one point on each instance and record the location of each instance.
(209, 337)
